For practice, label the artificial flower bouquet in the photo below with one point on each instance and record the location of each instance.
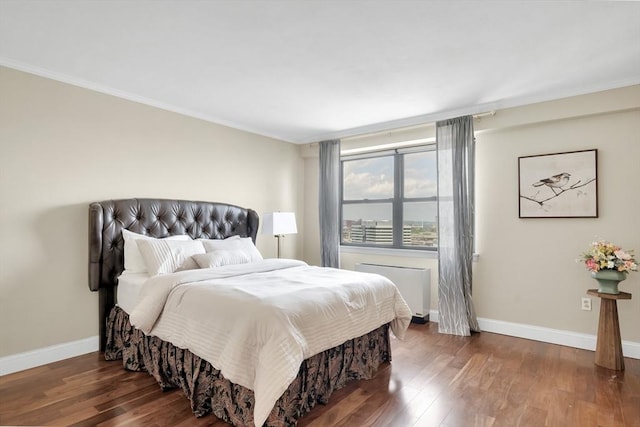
(603, 255)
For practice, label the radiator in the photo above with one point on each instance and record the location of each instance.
(414, 285)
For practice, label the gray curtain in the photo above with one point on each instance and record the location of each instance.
(329, 203)
(455, 144)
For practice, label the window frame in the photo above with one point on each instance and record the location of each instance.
(397, 201)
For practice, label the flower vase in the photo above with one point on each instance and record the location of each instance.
(608, 280)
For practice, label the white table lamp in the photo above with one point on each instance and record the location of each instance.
(278, 224)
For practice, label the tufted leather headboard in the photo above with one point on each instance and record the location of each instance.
(155, 218)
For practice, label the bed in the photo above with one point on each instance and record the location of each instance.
(223, 377)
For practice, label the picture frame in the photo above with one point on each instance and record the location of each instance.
(558, 185)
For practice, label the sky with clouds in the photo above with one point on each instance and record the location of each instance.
(372, 179)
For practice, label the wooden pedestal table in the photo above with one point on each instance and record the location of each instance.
(609, 344)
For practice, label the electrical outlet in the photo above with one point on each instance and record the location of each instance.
(586, 304)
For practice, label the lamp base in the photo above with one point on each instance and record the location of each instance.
(278, 236)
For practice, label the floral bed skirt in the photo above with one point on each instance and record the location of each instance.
(209, 392)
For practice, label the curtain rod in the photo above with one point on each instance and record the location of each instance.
(396, 146)
(481, 115)
(426, 124)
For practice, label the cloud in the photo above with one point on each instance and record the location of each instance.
(366, 185)
(373, 178)
(419, 188)
(368, 178)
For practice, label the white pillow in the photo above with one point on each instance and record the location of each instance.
(244, 244)
(133, 261)
(166, 256)
(221, 258)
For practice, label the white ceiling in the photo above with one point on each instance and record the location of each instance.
(303, 71)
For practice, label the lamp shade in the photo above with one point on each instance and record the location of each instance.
(279, 223)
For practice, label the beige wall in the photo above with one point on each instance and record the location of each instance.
(311, 230)
(62, 147)
(526, 271)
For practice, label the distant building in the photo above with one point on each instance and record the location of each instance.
(376, 233)
(357, 233)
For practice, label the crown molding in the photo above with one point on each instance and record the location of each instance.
(470, 110)
(85, 84)
(345, 133)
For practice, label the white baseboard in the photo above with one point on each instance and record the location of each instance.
(553, 336)
(42, 356)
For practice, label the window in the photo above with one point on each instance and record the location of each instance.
(389, 199)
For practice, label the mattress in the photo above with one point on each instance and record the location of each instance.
(128, 291)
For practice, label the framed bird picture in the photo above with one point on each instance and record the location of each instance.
(559, 185)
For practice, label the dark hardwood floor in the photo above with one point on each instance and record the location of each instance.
(434, 380)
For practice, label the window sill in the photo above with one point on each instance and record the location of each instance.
(410, 253)
(413, 253)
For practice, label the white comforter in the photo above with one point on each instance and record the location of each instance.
(257, 322)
